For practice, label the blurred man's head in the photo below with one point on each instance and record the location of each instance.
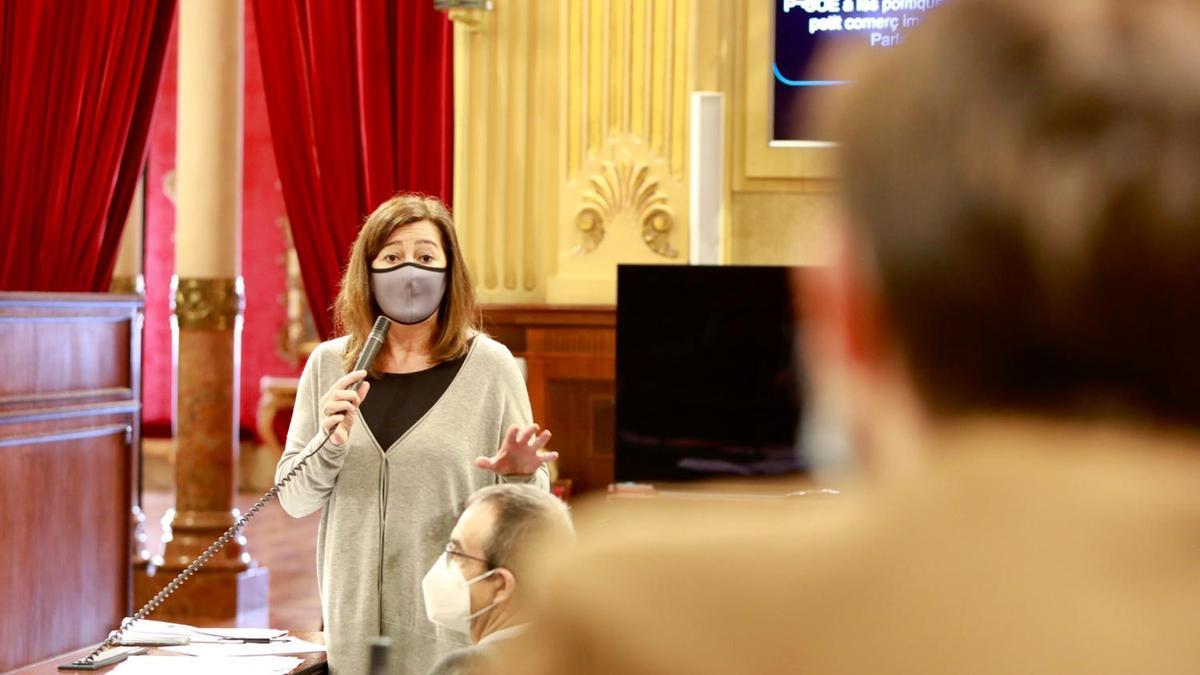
(491, 547)
(1022, 188)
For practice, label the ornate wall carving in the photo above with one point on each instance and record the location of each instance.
(571, 149)
(627, 121)
(621, 188)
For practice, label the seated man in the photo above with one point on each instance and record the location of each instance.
(480, 584)
(1016, 317)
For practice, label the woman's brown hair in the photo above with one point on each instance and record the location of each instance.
(355, 309)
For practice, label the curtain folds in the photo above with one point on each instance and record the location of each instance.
(360, 100)
(78, 82)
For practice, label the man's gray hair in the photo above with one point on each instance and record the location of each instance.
(526, 517)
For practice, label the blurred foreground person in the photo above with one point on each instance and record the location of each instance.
(1016, 318)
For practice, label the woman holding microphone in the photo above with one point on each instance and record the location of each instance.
(404, 452)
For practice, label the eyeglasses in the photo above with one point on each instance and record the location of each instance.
(451, 550)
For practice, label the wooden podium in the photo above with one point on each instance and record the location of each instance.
(70, 411)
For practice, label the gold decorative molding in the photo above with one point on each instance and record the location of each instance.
(506, 140)
(471, 18)
(207, 304)
(571, 157)
(623, 189)
(627, 80)
(626, 187)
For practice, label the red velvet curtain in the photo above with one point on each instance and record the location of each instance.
(360, 97)
(77, 88)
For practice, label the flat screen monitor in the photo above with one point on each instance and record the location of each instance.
(708, 384)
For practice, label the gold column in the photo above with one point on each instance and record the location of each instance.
(207, 320)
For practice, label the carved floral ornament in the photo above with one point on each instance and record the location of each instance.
(622, 187)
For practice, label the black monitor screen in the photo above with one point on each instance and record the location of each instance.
(707, 378)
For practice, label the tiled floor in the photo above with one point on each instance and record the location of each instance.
(285, 545)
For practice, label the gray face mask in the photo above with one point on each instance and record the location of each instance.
(408, 293)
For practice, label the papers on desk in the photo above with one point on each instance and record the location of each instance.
(206, 665)
(288, 645)
(216, 643)
(241, 633)
(150, 632)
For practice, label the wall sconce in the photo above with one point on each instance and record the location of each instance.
(467, 13)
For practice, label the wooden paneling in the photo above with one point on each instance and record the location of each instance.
(69, 414)
(570, 354)
(579, 412)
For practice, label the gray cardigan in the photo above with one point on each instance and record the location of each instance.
(387, 516)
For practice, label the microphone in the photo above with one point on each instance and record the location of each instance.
(380, 654)
(372, 346)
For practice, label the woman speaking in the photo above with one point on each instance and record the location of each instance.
(439, 399)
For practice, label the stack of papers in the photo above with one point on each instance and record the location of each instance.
(287, 645)
(150, 632)
(206, 665)
(216, 642)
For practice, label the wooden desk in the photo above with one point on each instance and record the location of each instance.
(313, 663)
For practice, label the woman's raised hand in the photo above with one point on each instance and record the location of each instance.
(339, 406)
(520, 452)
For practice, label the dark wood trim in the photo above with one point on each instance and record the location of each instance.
(67, 435)
(99, 318)
(550, 315)
(67, 412)
(117, 393)
(82, 300)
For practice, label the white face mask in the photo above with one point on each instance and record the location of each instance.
(448, 595)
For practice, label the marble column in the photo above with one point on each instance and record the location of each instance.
(207, 322)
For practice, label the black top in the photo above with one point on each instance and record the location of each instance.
(397, 400)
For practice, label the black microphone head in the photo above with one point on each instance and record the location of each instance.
(370, 348)
(380, 655)
(380, 329)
